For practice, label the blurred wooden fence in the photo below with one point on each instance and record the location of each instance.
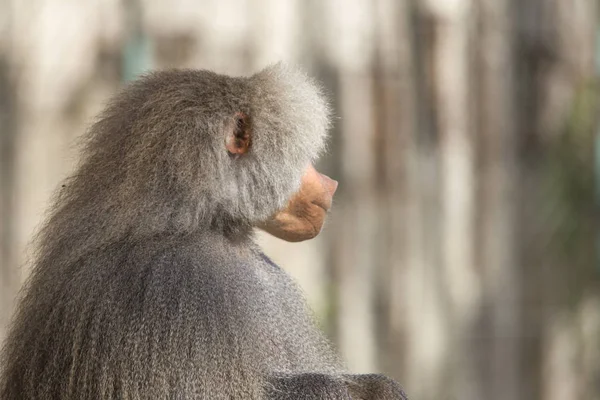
(460, 254)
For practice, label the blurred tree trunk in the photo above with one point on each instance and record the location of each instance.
(498, 188)
(396, 119)
(558, 120)
(460, 286)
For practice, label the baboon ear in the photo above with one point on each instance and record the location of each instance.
(238, 136)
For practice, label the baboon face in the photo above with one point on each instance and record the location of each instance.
(305, 213)
(303, 216)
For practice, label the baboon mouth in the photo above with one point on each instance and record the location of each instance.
(325, 207)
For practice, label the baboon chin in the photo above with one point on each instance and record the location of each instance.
(146, 281)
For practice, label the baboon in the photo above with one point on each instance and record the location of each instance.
(147, 283)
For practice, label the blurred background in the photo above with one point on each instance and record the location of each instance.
(462, 256)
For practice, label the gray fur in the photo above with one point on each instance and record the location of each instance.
(146, 282)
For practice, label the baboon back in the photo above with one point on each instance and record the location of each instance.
(165, 317)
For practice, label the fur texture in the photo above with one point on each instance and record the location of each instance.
(146, 282)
